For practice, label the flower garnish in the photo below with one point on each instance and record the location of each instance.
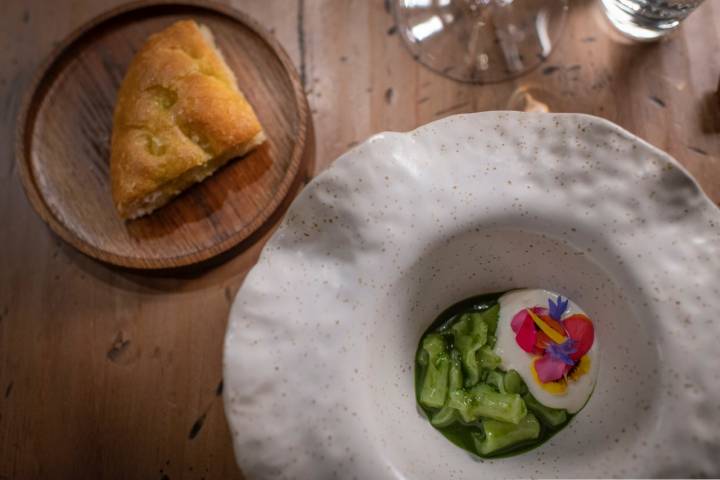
(556, 310)
(527, 337)
(549, 369)
(553, 333)
(525, 333)
(580, 328)
(562, 351)
(559, 345)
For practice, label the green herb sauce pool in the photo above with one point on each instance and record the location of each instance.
(467, 396)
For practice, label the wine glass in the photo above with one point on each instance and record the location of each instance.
(480, 41)
(647, 20)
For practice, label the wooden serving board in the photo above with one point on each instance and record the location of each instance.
(64, 132)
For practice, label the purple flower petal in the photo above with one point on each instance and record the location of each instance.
(556, 310)
(562, 351)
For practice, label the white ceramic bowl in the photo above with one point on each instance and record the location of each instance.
(319, 352)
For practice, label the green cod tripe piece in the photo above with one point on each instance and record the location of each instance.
(500, 435)
(448, 415)
(433, 392)
(483, 401)
(470, 334)
(551, 417)
(514, 383)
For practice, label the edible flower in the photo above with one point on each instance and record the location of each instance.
(580, 328)
(549, 369)
(553, 333)
(562, 351)
(556, 310)
(558, 344)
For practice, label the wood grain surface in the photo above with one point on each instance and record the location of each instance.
(110, 374)
(66, 122)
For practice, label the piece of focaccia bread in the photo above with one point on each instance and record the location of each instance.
(179, 116)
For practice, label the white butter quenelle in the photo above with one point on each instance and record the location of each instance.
(576, 390)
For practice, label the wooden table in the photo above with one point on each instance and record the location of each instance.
(110, 374)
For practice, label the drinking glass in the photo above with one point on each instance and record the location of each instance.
(480, 41)
(648, 19)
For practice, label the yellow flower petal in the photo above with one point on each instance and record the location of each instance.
(547, 329)
(581, 369)
(554, 388)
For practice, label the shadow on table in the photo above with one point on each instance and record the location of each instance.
(710, 112)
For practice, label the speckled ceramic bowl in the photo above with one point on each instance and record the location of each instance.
(319, 349)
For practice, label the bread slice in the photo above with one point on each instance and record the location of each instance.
(179, 116)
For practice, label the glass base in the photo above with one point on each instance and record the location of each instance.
(633, 27)
(480, 41)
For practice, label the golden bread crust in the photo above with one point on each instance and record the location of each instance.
(178, 108)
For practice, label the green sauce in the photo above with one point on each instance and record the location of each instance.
(472, 402)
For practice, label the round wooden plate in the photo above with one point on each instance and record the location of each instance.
(64, 139)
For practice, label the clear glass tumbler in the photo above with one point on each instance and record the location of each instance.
(480, 41)
(648, 19)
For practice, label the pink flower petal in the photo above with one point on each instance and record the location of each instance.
(527, 335)
(518, 320)
(522, 316)
(549, 369)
